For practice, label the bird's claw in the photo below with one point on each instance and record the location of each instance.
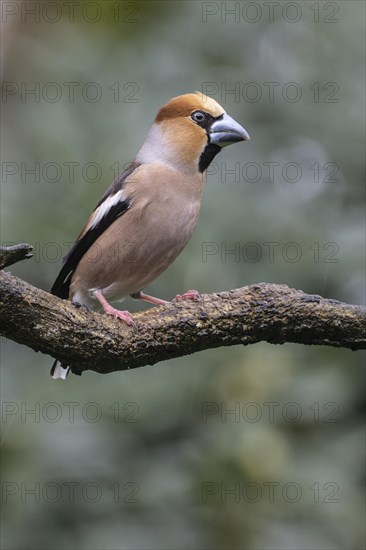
(189, 295)
(125, 316)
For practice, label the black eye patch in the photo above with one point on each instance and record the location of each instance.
(203, 119)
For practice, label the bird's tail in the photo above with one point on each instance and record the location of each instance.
(59, 370)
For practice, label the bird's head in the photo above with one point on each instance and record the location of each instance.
(189, 131)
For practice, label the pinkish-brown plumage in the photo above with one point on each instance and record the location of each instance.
(145, 219)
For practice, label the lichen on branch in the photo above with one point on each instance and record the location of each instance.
(87, 340)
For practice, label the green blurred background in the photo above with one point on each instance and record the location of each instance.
(153, 458)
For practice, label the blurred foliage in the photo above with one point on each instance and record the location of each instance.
(159, 461)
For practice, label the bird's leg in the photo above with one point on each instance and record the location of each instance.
(110, 310)
(147, 298)
(189, 295)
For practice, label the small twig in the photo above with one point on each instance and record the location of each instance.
(12, 254)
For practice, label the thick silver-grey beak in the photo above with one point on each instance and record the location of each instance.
(225, 131)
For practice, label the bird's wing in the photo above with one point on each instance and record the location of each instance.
(112, 205)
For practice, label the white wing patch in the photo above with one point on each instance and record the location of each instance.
(104, 208)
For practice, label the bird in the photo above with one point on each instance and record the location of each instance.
(147, 216)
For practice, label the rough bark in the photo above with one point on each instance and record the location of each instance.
(87, 340)
(11, 254)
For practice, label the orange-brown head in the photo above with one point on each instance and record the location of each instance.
(189, 131)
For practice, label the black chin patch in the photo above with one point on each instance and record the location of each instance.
(209, 153)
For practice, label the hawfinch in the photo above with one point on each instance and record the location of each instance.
(147, 216)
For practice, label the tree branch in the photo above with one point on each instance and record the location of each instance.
(88, 340)
(11, 254)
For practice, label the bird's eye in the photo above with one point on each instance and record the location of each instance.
(198, 116)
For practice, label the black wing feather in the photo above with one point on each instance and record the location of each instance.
(61, 286)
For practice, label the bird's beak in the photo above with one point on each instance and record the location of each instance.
(225, 131)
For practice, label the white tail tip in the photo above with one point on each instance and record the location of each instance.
(59, 371)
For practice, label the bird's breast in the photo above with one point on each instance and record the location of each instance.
(144, 241)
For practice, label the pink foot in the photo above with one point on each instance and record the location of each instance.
(118, 314)
(110, 310)
(189, 295)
